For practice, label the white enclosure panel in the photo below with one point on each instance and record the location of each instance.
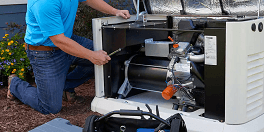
(244, 72)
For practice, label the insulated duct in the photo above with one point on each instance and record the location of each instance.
(206, 7)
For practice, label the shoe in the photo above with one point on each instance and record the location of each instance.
(9, 95)
(72, 97)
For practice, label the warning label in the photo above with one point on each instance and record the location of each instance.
(210, 50)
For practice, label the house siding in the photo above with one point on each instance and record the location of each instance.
(12, 2)
(11, 13)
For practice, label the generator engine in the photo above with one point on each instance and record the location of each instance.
(175, 65)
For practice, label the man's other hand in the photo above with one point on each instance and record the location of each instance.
(123, 13)
(99, 58)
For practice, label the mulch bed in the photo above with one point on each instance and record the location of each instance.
(15, 116)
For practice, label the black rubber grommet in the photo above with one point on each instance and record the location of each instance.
(253, 27)
(260, 27)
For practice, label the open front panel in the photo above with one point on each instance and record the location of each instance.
(150, 62)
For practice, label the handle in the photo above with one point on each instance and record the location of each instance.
(132, 113)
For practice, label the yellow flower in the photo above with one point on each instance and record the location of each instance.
(21, 74)
(3, 58)
(12, 64)
(10, 53)
(14, 70)
(11, 42)
(7, 50)
(3, 51)
(23, 45)
(22, 69)
(8, 67)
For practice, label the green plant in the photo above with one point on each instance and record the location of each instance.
(13, 59)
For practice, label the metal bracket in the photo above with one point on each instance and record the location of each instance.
(141, 15)
(105, 23)
(126, 87)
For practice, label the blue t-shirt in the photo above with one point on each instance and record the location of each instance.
(47, 18)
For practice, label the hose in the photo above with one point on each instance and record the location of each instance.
(197, 58)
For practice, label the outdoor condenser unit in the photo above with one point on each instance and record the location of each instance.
(213, 60)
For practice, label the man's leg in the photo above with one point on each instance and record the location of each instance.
(50, 69)
(84, 69)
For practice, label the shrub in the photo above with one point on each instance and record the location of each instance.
(13, 59)
(85, 14)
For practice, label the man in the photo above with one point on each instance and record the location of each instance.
(52, 48)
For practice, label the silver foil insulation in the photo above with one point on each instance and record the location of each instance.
(207, 7)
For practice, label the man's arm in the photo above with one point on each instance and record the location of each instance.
(103, 7)
(73, 48)
(50, 23)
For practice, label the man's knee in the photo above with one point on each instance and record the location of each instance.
(55, 108)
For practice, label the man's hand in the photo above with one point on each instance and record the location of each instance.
(99, 57)
(73, 48)
(123, 13)
(102, 6)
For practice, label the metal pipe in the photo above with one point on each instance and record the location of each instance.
(145, 7)
(259, 8)
(197, 58)
(157, 29)
(161, 67)
(137, 10)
